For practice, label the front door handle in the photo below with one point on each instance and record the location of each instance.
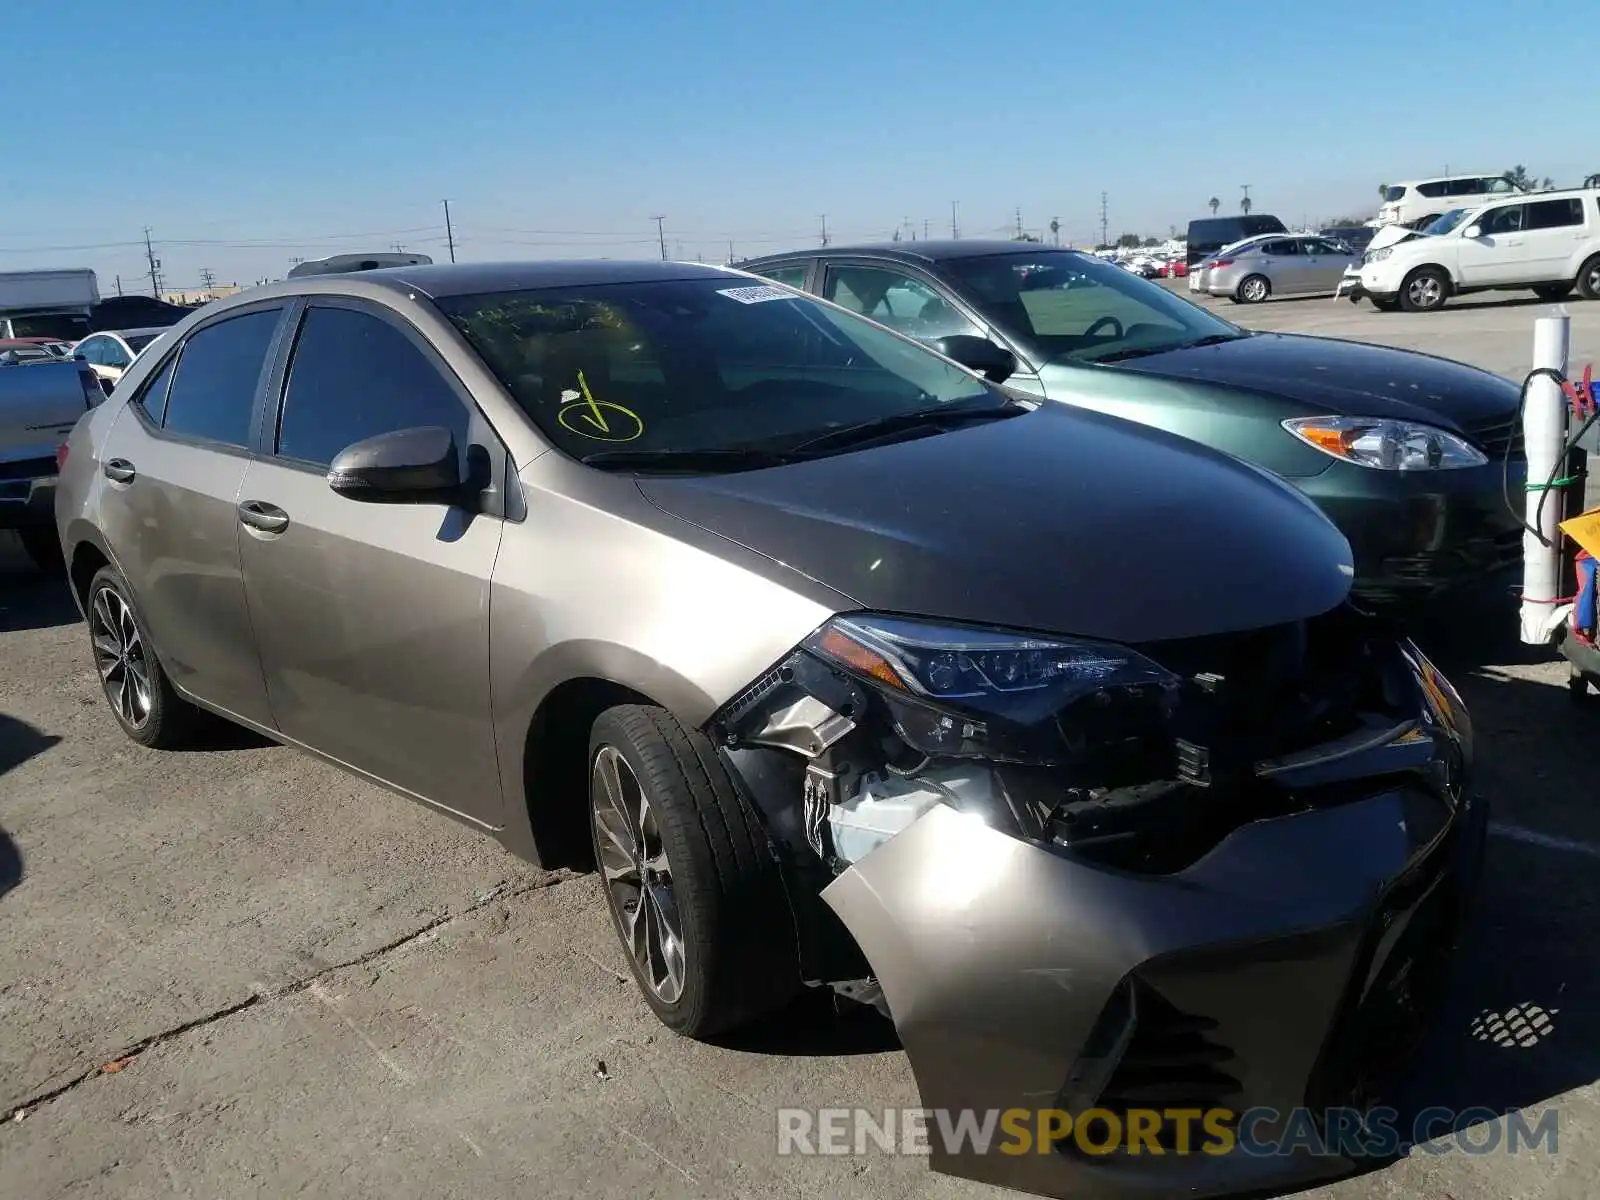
(259, 515)
(118, 470)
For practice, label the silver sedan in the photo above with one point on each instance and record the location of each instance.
(1277, 266)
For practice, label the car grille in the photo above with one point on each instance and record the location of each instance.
(1499, 439)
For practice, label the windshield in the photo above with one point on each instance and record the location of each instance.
(1447, 222)
(1393, 193)
(1063, 306)
(67, 327)
(698, 365)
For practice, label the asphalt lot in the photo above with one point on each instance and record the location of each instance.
(237, 972)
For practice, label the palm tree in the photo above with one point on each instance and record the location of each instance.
(1215, 204)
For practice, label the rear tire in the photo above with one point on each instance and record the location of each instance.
(1552, 292)
(1253, 289)
(137, 690)
(43, 547)
(695, 894)
(1589, 279)
(1425, 290)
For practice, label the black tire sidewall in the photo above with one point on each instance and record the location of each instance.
(732, 915)
(156, 731)
(1585, 273)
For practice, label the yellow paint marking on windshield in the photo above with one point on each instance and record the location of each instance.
(588, 418)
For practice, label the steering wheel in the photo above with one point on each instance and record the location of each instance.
(1111, 321)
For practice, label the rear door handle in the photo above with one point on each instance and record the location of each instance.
(259, 515)
(118, 470)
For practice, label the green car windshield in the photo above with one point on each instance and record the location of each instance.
(1059, 305)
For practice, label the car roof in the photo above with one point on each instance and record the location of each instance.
(464, 279)
(128, 333)
(919, 252)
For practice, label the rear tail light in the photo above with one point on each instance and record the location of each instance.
(1221, 262)
(61, 456)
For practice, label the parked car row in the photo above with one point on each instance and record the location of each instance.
(892, 620)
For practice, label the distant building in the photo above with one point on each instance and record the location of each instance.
(202, 295)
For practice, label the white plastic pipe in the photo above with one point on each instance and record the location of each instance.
(1544, 429)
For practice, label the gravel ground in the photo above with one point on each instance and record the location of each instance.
(237, 972)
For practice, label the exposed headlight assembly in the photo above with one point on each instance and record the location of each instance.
(1378, 255)
(1387, 445)
(968, 692)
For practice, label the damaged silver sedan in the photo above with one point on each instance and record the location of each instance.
(1053, 736)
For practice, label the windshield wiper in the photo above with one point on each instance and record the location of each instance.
(707, 461)
(1211, 339)
(942, 416)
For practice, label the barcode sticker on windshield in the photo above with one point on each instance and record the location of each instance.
(755, 295)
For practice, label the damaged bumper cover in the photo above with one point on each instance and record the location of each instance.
(1291, 966)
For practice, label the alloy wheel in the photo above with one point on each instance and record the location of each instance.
(1425, 291)
(119, 654)
(1255, 290)
(637, 877)
(1592, 281)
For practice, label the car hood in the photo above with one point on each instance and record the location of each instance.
(1060, 520)
(1332, 377)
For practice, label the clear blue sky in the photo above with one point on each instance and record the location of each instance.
(244, 134)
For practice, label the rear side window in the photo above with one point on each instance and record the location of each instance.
(213, 393)
(354, 376)
(153, 399)
(1394, 192)
(1433, 190)
(1553, 214)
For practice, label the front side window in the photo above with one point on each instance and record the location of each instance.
(694, 365)
(1060, 305)
(900, 301)
(153, 396)
(1554, 214)
(1507, 219)
(354, 376)
(213, 392)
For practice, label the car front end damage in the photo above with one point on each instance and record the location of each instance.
(1219, 875)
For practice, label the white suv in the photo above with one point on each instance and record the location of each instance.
(1417, 202)
(1549, 243)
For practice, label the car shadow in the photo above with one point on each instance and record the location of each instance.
(817, 1023)
(31, 598)
(19, 741)
(10, 864)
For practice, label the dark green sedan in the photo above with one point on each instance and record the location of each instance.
(1412, 456)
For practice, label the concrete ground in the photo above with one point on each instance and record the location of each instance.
(239, 973)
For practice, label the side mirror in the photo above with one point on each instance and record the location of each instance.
(79, 358)
(994, 363)
(1473, 231)
(408, 466)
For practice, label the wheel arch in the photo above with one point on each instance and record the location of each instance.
(88, 554)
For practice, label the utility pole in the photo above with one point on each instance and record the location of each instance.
(730, 252)
(661, 236)
(449, 231)
(1055, 230)
(1245, 203)
(119, 285)
(1105, 221)
(1019, 222)
(155, 265)
(208, 279)
(398, 248)
(824, 229)
(955, 230)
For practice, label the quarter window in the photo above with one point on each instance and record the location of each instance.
(897, 300)
(213, 393)
(355, 376)
(153, 397)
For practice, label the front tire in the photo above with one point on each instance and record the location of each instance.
(695, 894)
(1254, 289)
(141, 698)
(1425, 290)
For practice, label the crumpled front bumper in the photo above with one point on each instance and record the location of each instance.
(1273, 962)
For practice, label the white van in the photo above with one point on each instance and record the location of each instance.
(1420, 201)
(1548, 242)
